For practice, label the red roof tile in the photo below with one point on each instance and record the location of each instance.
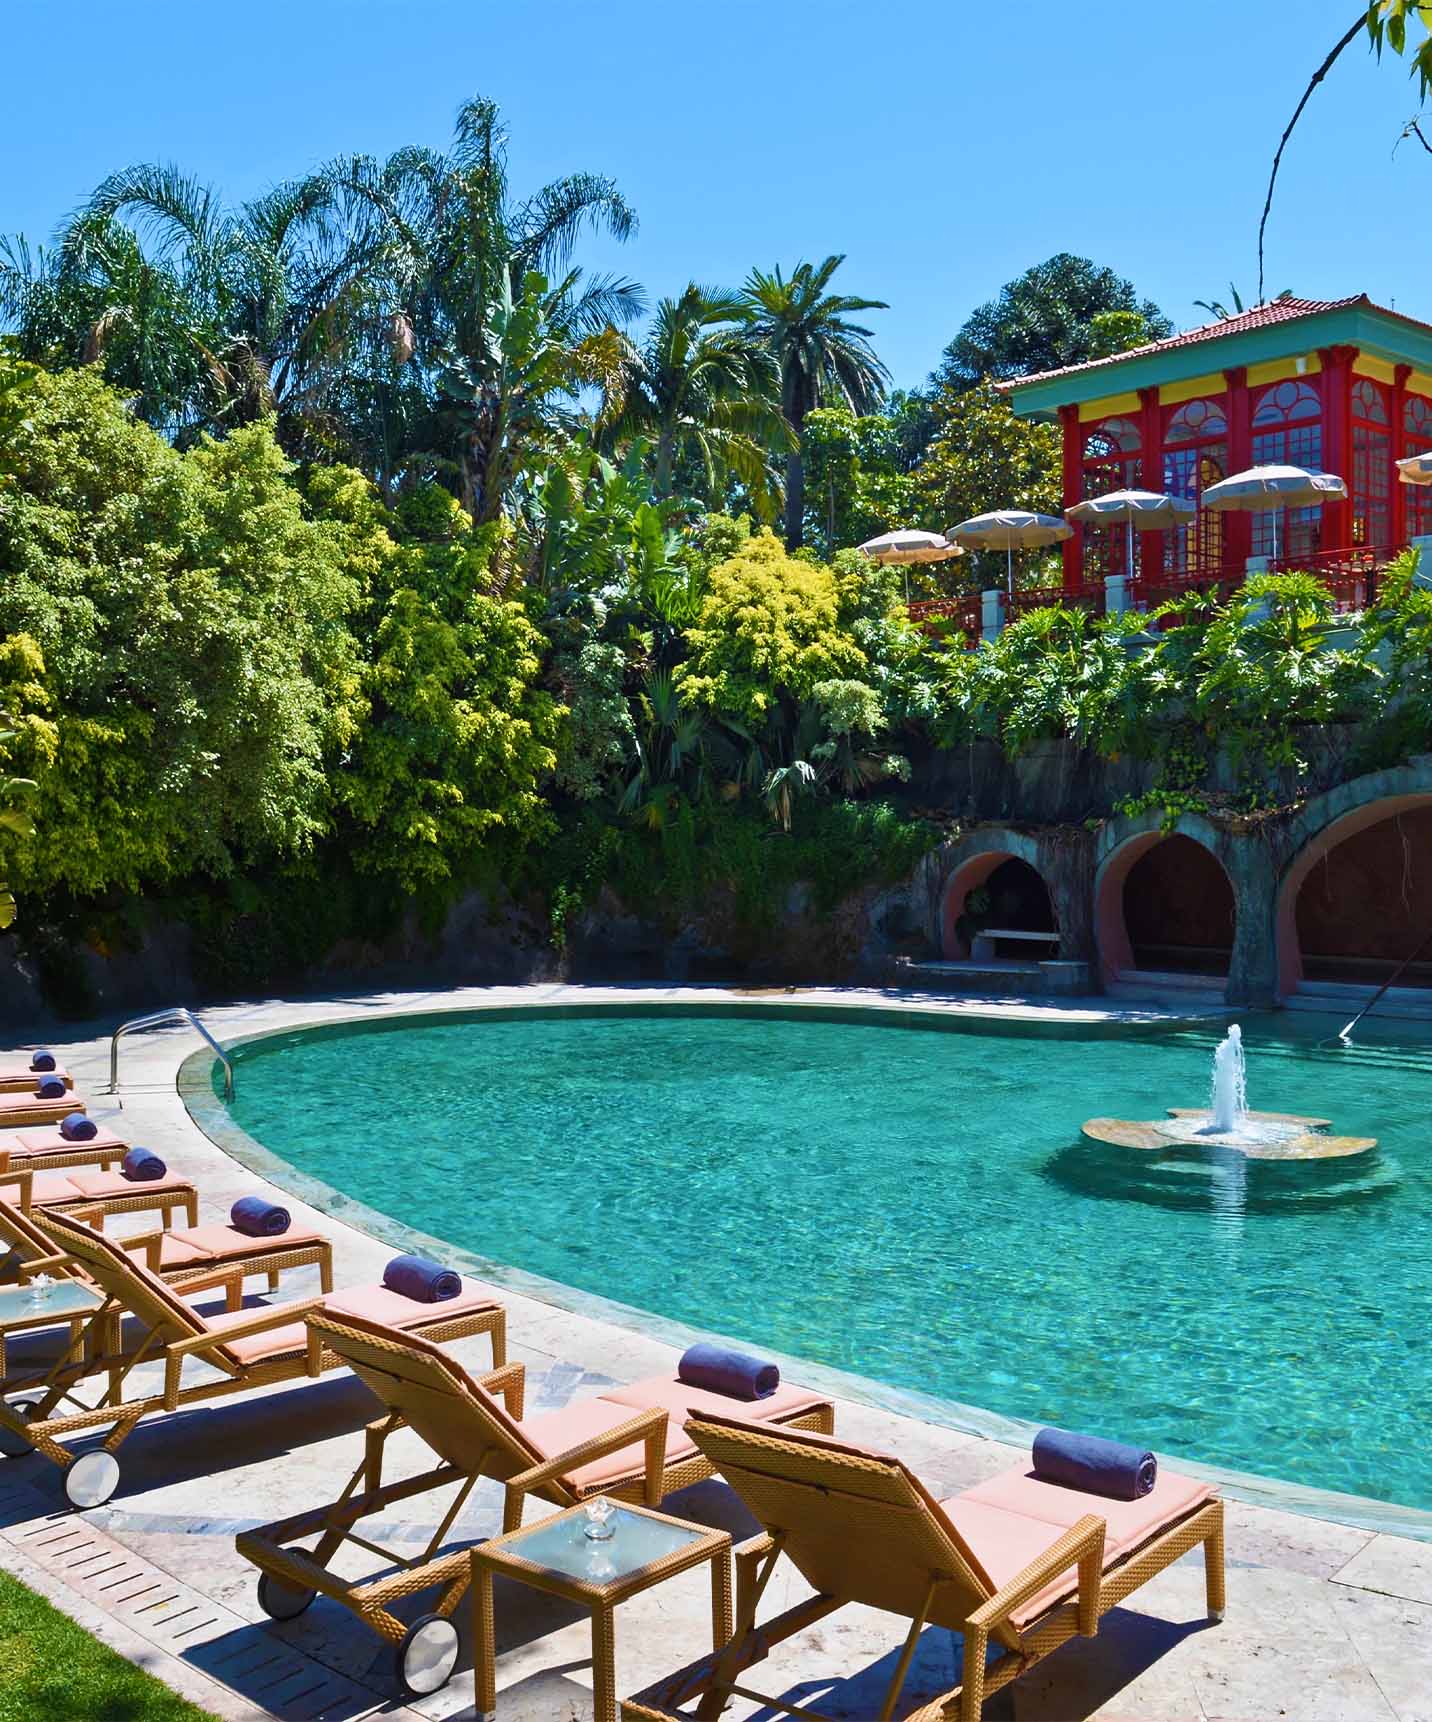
(1259, 317)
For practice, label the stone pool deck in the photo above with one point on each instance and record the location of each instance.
(1328, 1620)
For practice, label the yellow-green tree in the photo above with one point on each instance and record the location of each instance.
(770, 629)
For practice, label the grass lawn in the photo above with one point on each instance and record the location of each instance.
(52, 1671)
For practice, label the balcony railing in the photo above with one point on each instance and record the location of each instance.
(965, 611)
(1351, 575)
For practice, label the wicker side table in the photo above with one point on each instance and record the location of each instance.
(556, 1555)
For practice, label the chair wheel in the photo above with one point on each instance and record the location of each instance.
(13, 1444)
(91, 1479)
(281, 1601)
(427, 1655)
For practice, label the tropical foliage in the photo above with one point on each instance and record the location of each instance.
(357, 549)
(1061, 312)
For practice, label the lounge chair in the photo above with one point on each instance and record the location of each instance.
(249, 1348)
(1016, 1565)
(626, 1443)
(41, 1149)
(186, 1250)
(99, 1193)
(16, 1077)
(27, 1107)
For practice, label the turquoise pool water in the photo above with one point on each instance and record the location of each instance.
(915, 1204)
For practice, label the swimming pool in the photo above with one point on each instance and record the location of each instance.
(914, 1204)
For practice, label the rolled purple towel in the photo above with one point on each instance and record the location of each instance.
(142, 1166)
(42, 1059)
(75, 1127)
(257, 1217)
(1099, 1467)
(51, 1088)
(420, 1278)
(719, 1369)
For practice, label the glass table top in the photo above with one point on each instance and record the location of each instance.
(62, 1298)
(562, 1545)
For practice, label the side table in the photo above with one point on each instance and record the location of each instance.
(556, 1555)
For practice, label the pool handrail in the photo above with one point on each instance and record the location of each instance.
(157, 1019)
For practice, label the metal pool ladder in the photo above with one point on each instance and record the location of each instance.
(174, 1013)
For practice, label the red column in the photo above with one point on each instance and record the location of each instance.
(1073, 483)
(1337, 440)
(1398, 526)
(1237, 526)
(1150, 544)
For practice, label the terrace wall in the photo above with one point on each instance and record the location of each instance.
(1055, 808)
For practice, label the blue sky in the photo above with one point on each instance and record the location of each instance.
(943, 146)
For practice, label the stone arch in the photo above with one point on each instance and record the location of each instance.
(1323, 826)
(1129, 842)
(972, 863)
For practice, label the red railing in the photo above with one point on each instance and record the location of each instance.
(965, 611)
(1022, 601)
(1350, 574)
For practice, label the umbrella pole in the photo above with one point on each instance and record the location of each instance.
(1009, 571)
(1129, 550)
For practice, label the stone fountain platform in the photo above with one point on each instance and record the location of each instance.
(1272, 1136)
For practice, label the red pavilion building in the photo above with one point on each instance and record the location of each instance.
(1337, 385)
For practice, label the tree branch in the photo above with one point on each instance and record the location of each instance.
(1413, 129)
(1358, 25)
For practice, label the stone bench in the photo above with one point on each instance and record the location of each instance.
(982, 944)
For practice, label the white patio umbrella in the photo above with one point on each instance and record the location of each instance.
(1146, 510)
(1416, 468)
(909, 546)
(1010, 529)
(1264, 489)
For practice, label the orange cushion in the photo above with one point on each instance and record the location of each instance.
(30, 1109)
(51, 1142)
(208, 1243)
(263, 1347)
(1130, 1523)
(554, 1432)
(1005, 1544)
(374, 1302)
(377, 1303)
(1015, 1516)
(21, 1073)
(680, 1400)
(95, 1186)
(54, 1187)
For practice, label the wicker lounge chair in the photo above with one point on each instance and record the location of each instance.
(627, 1443)
(41, 1149)
(26, 1107)
(72, 1188)
(1017, 1565)
(248, 1348)
(16, 1077)
(186, 1250)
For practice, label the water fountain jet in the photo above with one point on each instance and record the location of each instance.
(1227, 1123)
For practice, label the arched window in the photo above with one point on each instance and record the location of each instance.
(1195, 456)
(1417, 439)
(1371, 463)
(1111, 462)
(1196, 421)
(1286, 403)
(1288, 431)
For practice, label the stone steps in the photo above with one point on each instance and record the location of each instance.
(1207, 990)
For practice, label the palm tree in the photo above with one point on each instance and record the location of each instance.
(819, 354)
(208, 316)
(475, 335)
(705, 394)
